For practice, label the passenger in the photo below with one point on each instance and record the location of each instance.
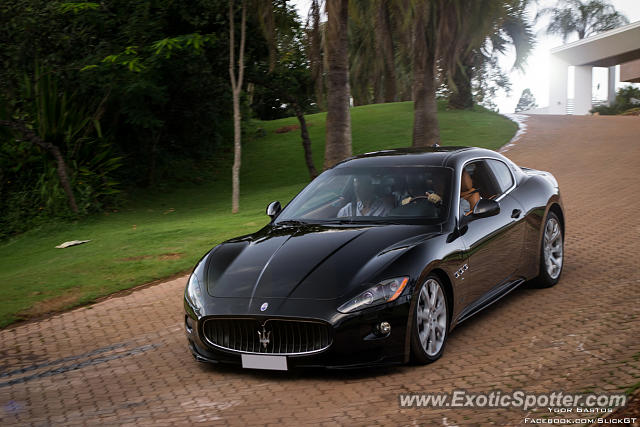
(469, 196)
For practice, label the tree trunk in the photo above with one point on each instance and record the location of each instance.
(304, 132)
(61, 166)
(338, 125)
(462, 98)
(378, 87)
(425, 120)
(306, 143)
(63, 177)
(316, 56)
(237, 155)
(153, 156)
(384, 42)
(236, 88)
(432, 136)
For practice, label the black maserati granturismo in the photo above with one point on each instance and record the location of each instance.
(376, 261)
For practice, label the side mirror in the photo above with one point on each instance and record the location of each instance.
(274, 209)
(485, 208)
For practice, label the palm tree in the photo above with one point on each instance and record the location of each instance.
(364, 60)
(314, 47)
(338, 124)
(372, 51)
(584, 17)
(380, 51)
(511, 28)
(384, 46)
(426, 130)
(445, 33)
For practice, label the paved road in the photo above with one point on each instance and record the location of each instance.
(125, 360)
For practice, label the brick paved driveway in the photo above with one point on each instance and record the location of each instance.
(100, 364)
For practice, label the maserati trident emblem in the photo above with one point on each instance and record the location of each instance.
(264, 306)
(264, 336)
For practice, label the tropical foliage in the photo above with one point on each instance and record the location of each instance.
(134, 93)
(142, 94)
(582, 17)
(627, 99)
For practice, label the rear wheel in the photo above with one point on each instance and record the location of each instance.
(431, 322)
(551, 253)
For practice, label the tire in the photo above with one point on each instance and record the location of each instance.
(551, 253)
(430, 327)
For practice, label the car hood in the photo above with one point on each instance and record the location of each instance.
(307, 261)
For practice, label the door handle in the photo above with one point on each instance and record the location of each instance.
(516, 213)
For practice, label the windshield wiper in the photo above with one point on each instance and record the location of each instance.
(363, 221)
(357, 221)
(337, 221)
(293, 222)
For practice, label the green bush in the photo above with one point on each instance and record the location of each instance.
(632, 112)
(30, 187)
(626, 99)
(30, 191)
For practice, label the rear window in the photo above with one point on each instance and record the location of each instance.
(502, 174)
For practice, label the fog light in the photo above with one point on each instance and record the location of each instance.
(384, 328)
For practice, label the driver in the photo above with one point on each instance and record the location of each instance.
(368, 204)
(416, 190)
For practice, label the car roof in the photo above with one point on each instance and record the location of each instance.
(424, 156)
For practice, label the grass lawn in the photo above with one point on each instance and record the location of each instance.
(158, 234)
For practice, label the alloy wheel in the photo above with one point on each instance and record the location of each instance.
(432, 317)
(553, 248)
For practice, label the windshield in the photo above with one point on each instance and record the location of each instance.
(360, 194)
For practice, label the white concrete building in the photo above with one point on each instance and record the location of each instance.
(620, 46)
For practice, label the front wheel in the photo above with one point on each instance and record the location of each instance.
(551, 253)
(431, 322)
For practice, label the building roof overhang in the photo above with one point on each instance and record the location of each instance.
(605, 49)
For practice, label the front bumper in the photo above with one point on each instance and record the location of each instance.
(356, 341)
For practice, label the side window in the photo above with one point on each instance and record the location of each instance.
(482, 179)
(477, 182)
(502, 175)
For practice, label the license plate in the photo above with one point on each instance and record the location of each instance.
(255, 361)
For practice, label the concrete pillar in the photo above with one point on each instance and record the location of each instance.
(558, 75)
(611, 88)
(583, 91)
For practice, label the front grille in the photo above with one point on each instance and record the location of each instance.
(284, 336)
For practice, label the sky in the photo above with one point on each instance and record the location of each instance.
(535, 75)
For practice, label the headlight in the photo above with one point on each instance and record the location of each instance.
(193, 293)
(383, 292)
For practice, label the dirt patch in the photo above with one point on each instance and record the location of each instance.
(136, 258)
(170, 256)
(51, 305)
(162, 257)
(285, 129)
